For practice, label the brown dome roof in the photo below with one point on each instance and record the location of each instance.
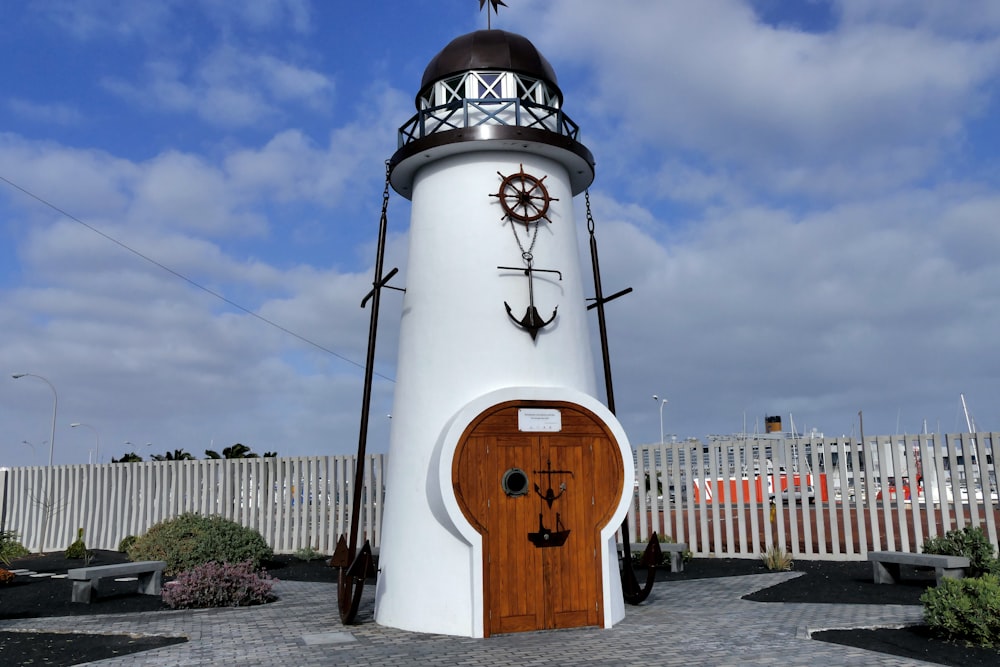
(490, 50)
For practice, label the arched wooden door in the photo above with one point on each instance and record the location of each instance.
(539, 481)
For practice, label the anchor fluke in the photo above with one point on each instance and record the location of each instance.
(532, 320)
(351, 582)
(631, 590)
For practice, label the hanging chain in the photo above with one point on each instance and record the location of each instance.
(526, 255)
(590, 216)
(385, 191)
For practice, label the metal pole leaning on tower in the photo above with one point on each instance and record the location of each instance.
(356, 567)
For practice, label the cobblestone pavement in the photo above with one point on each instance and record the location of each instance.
(692, 622)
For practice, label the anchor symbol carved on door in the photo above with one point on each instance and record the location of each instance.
(547, 537)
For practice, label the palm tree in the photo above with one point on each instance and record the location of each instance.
(176, 455)
(131, 457)
(237, 451)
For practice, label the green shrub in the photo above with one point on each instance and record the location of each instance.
(308, 554)
(969, 542)
(965, 609)
(190, 540)
(218, 585)
(10, 548)
(777, 559)
(77, 549)
(126, 543)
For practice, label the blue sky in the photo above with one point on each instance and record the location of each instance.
(804, 197)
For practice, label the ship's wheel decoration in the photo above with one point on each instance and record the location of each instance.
(525, 201)
(524, 198)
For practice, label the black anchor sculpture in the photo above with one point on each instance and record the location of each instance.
(532, 321)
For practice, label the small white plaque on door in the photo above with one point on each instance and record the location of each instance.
(539, 419)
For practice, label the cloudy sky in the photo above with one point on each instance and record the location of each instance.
(804, 196)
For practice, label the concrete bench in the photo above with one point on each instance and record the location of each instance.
(87, 580)
(885, 565)
(675, 549)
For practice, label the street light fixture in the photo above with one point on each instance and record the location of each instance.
(662, 403)
(47, 500)
(55, 406)
(3, 513)
(96, 433)
(133, 445)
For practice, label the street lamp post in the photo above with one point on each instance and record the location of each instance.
(132, 444)
(3, 513)
(32, 445)
(97, 453)
(662, 403)
(47, 500)
(55, 406)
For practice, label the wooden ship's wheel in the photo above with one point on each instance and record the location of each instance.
(524, 197)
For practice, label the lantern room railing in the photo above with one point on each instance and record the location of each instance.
(468, 113)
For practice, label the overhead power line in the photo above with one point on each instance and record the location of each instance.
(178, 274)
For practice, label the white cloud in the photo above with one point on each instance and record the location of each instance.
(292, 165)
(142, 352)
(148, 357)
(822, 313)
(98, 19)
(806, 219)
(963, 17)
(262, 14)
(56, 114)
(229, 88)
(184, 192)
(91, 180)
(288, 82)
(710, 78)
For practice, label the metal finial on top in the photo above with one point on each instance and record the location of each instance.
(496, 10)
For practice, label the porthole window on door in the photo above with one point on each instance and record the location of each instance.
(515, 482)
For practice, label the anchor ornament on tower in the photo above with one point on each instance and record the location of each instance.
(525, 201)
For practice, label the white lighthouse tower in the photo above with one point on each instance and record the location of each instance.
(506, 477)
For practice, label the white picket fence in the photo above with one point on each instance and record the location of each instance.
(834, 498)
(293, 502)
(891, 493)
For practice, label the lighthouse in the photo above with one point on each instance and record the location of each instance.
(507, 478)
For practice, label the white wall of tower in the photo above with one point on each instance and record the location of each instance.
(458, 344)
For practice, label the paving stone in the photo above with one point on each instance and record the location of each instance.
(328, 638)
(689, 622)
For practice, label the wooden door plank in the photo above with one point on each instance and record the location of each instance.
(526, 587)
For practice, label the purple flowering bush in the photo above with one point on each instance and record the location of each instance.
(219, 585)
